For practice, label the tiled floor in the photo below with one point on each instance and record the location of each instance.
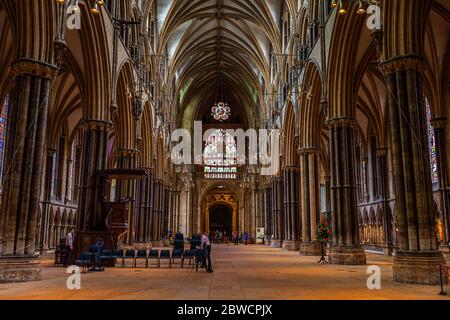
(253, 272)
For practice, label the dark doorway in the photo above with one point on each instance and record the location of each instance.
(221, 218)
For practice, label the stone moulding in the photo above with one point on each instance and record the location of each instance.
(15, 269)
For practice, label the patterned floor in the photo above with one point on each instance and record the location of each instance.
(252, 272)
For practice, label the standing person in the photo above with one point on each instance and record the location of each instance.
(235, 238)
(245, 238)
(69, 247)
(206, 246)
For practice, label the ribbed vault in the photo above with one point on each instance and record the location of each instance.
(219, 49)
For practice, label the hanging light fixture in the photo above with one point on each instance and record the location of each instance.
(361, 9)
(339, 4)
(342, 10)
(95, 7)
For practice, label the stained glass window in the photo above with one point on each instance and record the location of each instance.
(431, 143)
(3, 125)
(220, 156)
(220, 111)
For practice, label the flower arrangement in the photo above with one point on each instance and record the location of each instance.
(323, 230)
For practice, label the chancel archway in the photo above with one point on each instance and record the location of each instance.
(221, 218)
(217, 200)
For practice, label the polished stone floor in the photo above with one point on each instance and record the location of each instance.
(252, 272)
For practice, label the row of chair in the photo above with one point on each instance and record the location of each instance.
(86, 259)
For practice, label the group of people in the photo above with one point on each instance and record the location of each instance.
(218, 237)
(238, 237)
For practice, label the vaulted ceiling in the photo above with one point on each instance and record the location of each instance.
(219, 49)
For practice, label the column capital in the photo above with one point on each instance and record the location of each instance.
(277, 179)
(51, 152)
(97, 124)
(341, 122)
(291, 169)
(149, 170)
(382, 152)
(308, 150)
(403, 63)
(126, 152)
(33, 67)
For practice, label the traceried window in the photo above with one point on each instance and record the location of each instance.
(431, 144)
(3, 125)
(220, 156)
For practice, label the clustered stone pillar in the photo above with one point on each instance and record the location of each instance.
(157, 219)
(44, 224)
(291, 210)
(24, 160)
(260, 209)
(144, 209)
(165, 213)
(268, 231)
(309, 200)
(386, 213)
(444, 187)
(94, 156)
(126, 189)
(277, 212)
(254, 211)
(417, 258)
(346, 248)
(173, 211)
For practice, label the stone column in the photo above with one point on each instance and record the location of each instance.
(176, 211)
(143, 213)
(24, 161)
(309, 201)
(327, 179)
(44, 224)
(277, 212)
(444, 186)
(94, 156)
(126, 189)
(149, 209)
(166, 202)
(291, 209)
(254, 211)
(417, 259)
(169, 210)
(384, 192)
(346, 248)
(268, 215)
(158, 204)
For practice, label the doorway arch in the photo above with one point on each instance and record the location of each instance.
(219, 200)
(221, 218)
